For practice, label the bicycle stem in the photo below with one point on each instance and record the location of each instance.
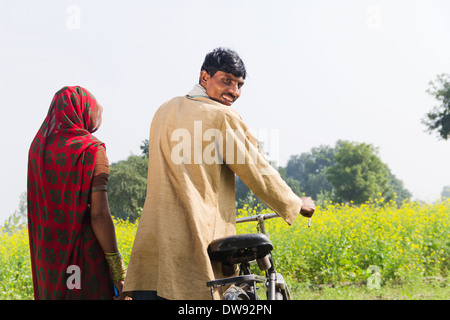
(261, 225)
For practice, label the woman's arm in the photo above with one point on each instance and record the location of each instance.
(103, 226)
(102, 222)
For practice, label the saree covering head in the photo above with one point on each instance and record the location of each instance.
(66, 258)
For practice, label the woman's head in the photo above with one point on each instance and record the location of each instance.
(74, 109)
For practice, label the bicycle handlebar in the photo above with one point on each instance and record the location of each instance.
(257, 217)
(263, 217)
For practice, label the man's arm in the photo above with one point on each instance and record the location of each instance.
(243, 156)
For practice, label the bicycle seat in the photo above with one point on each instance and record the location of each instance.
(240, 248)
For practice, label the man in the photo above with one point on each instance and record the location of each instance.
(197, 144)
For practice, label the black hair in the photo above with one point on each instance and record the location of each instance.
(225, 60)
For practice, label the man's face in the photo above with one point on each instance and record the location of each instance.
(222, 87)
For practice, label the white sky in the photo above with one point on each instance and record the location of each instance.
(319, 71)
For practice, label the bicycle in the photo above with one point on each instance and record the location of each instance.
(243, 250)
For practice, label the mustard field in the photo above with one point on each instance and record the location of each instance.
(345, 243)
(350, 243)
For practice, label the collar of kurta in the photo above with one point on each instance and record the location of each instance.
(198, 91)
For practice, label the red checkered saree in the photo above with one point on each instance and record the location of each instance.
(67, 260)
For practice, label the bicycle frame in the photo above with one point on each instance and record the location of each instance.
(274, 279)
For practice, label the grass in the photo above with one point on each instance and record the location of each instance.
(420, 289)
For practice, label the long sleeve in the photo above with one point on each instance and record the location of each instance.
(242, 155)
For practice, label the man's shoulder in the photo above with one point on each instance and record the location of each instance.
(181, 100)
(174, 100)
(169, 104)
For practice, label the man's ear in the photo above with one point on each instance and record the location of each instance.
(204, 77)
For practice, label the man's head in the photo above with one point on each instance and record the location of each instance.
(222, 75)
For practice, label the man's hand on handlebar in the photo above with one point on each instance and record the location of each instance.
(308, 207)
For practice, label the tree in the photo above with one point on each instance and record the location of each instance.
(309, 170)
(144, 148)
(438, 119)
(241, 192)
(358, 173)
(397, 187)
(445, 194)
(127, 186)
(19, 217)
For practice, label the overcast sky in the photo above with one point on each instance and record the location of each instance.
(319, 71)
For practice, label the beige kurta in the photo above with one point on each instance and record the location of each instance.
(196, 146)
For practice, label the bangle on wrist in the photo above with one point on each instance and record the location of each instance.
(116, 266)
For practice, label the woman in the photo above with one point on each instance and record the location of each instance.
(74, 253)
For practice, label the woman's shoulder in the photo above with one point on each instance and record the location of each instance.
(102, 158)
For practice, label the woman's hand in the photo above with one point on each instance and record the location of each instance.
(119, 286)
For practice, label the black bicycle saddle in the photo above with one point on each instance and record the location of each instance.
(240, 248)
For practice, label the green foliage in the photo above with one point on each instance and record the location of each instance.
(18, 219)
(445, 194)
(358, 173)
(344, 173)
(438, 119)
(14, 222)
(309, 169)
(242, 192)
(399, 192)
(144, 148)
(127, 186)
(15, 265)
